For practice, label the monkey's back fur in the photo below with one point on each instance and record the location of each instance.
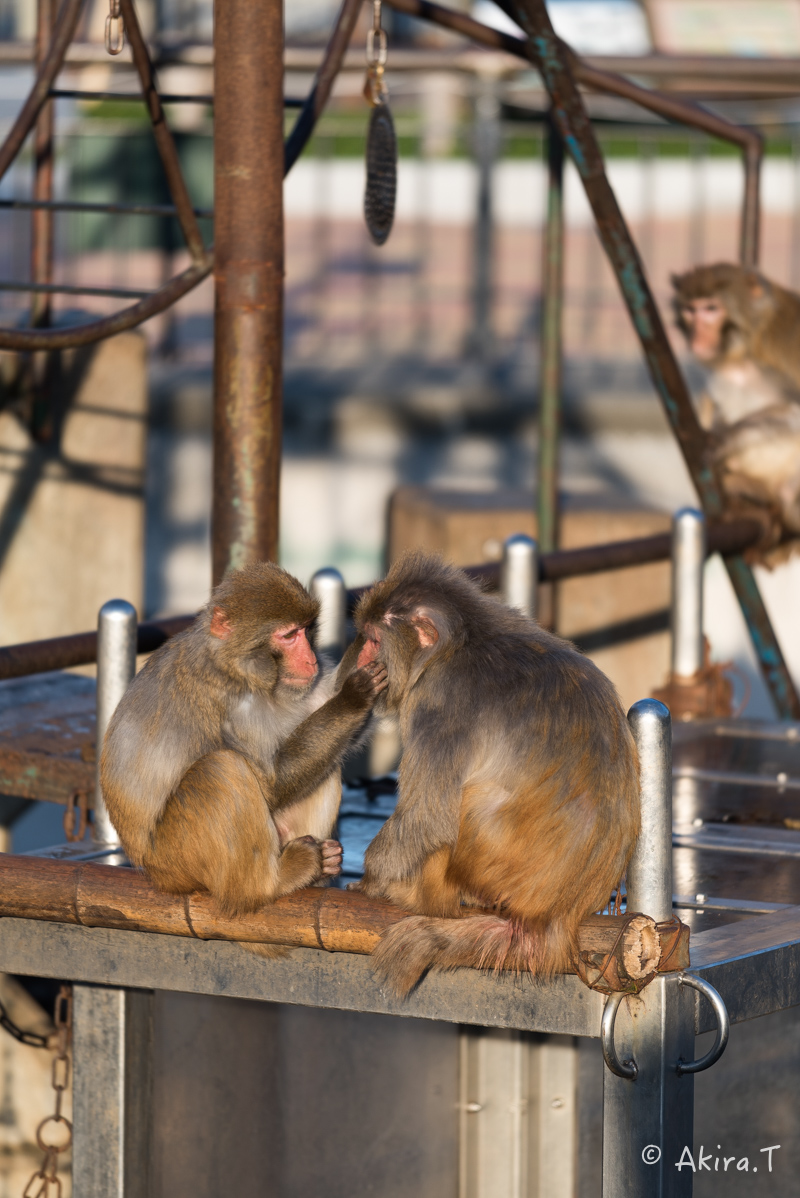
(518, 785)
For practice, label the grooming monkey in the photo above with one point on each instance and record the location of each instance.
(220, 767)
(518, 784)
(746, 330)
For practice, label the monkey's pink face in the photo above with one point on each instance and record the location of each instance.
(299, 661)
(704, 319)
(372, 646)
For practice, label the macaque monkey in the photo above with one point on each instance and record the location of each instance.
(220, 767)
(518, 804)
(746, 331)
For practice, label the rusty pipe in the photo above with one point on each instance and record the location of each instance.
(248, 278)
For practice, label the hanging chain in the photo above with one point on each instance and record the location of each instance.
(54, 1134)
(32, 1039)
(375, 91)
(115, 28)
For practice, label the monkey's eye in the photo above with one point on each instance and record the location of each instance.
(288, 635)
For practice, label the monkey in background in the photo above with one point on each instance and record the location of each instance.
(746, 331)
(220, 766)
(518, 788)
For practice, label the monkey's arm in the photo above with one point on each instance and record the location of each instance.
(427, 815)
(316, 746)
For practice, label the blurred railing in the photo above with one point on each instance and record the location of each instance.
(427, 292)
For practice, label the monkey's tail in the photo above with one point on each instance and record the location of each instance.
(411, 947)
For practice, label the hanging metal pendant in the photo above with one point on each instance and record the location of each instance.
(381, 189)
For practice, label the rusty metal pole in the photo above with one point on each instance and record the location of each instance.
(42, 219)
(248, 276)
(551, 357)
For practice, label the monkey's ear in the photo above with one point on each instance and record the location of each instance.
(426, 632)
(430, 625)
(220, 624)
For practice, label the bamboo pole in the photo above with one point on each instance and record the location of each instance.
(101, 896)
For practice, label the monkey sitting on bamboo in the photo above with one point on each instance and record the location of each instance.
(518, 804)
(745, 330)
(220, 767)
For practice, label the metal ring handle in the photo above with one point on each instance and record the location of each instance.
(723, 1025)
(627, 1069)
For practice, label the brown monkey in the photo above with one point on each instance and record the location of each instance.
(746, 330)
(220, 767)
(518, 784)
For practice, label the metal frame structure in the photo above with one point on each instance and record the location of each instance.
(247, 260)
(648, 1089)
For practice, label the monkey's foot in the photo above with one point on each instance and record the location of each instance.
(331, 858)
(354, 886)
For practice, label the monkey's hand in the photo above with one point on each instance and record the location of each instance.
(331, 858)
(327, 853)
(362, 687)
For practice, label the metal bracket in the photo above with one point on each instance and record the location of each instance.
(627, 1069)
(723, 1026)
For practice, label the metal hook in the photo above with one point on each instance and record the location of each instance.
(115, 29)
(627, 1069)
(723, 1025)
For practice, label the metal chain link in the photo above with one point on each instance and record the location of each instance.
(55, 1125)
(115, 28)
(32, 1039)
(375, 91)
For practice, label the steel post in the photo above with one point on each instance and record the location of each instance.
(112, 1092)
(116, 666)
(688, 560)
(519, 573)
(650, 870)
(248, 276)
(328, 587)
(647, 1118)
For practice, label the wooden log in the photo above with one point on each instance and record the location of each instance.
(336, 920)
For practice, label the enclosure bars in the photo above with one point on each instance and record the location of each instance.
(551, 355)
(519, 574)
(42, 221)
(576, 130)
(63, 652)
(648, 1108)
(670, 107)
(116, 666)
(330, 636)
(157, 301)
(688, 560)
(552, 57)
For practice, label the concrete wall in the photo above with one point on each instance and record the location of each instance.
(72, 510)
